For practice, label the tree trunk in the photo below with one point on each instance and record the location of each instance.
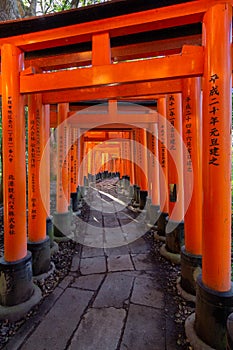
(9, 10)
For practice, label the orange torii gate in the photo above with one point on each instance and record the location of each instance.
(128, 80)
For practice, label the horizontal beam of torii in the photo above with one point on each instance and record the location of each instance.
(128, 115)
(154, 19)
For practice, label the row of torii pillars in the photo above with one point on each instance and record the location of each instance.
(207, 220)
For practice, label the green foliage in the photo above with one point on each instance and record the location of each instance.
(51, 6)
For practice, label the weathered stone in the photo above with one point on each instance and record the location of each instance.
(75, 263)
(119, 263)
(139, 246)
(90, 252)
(124, 249)
(147, 292)
(144, 329)
(143, 262)
(89, 266)
(105, 326)
(58, 325)
(91, 282)
(114, 291)
(66, 282)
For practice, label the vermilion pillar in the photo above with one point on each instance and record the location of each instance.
(174, 229)
(36, 210)
(153, 171)
(79, 155)
(46, 156)
(216, 272)
(214, 291)
(73, 168)
(149, 163)
(136, 167)
(163, 168)
(62, 174)
(62, 216)
(79, 164)
(15, 240)
(16, 265)
(142, 163)
(38, 242)
(154, 166)
(46, 126)
(192, 167)
(132, 155)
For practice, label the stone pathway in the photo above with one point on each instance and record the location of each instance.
(111, 299)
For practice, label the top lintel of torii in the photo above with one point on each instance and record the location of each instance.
(119, 49)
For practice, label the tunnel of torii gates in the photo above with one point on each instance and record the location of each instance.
(174, 60)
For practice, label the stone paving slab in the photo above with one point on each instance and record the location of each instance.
(110, 220)
(143, 262)
(105, 326)
(119, 263)
(89, 266)
(144, 329)
(75, 263)
(124, 249)
(90, 282)
(27, 329)
(115, 291)
(133, 231)
(139, 246)
(58, 325)
(90, 252)
(147, 292)
(114, 237)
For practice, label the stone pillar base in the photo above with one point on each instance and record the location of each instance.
(40, 256)
(131, 192)
(190, 269)
(148, 205)
(175, 238)
(74, 201)
(174, 258)
(16, 284)
(62, 225)
(195, 341)
(142, 199)
(85, 181)
(134, 193)
(127, 183)
(161, 223)
(230, 332)
(154, 214)
(49, 230)
(83, 191)
(212, 311)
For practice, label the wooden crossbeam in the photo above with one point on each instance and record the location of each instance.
(117, 91)
(187, 64)
(165, 17)
(119, 53)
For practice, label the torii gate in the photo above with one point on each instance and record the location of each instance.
(164, 75)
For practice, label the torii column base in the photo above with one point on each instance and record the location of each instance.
(74, 201)
(175, 236)
(148, 205)
(154, 214)
(212, 311)
(161, 223)
(18, 294)
(190, 269)
(41, 256)
(142, 199)
(62, 226)
(49, 232)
